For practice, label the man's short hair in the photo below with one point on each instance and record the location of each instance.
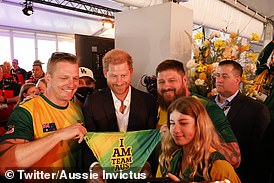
(236, 66)
(57, 57)
(117, 56)
(38, 63)
(170, 64)
(15, 61)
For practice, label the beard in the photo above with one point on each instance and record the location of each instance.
(164, 103)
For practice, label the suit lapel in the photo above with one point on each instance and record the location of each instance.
(133, 109)
(109, 110)
(236, 105)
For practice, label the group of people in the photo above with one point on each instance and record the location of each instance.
(15, 86)
(202, 139)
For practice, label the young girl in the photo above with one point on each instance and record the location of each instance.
(27, 91)
(189, 147)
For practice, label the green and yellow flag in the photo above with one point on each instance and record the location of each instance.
(122, 151)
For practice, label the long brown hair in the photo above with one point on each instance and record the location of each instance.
(206, 137)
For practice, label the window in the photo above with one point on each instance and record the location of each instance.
(24, 52)
(28, 46)
(46, 45)
(66, 44)
(5, 53)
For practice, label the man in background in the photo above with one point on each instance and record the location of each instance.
(20, 72)
(37, 72)
(248, 118)
(86, 85)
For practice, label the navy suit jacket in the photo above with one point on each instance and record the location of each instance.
(249, 119)
(100, 116)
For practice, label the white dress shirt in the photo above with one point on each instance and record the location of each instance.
(226, 104)
(122, 118)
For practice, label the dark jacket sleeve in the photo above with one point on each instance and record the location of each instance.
(88, 156)
(262, 58)
(153, 113)
(262, 122)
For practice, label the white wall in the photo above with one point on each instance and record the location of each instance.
(153, 34)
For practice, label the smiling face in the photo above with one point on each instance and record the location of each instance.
(170, 86)
(62, 83)
(182, 128)
(118, 79)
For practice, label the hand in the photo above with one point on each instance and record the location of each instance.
(28, 98)
(164, 130)
(147, 170)
(2, 99)
(99, 171)
(173, 177)
(72, 132)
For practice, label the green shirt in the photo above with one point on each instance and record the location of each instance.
(38, 118)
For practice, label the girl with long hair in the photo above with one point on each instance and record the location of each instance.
(27, 91)
(189, 146)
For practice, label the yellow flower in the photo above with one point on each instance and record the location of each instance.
(208, 52)
(201, 67)
(219, 44)
(255, 37)
(198, 36)
(253, 56)
(206, 43)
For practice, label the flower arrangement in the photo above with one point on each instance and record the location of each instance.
(208, 52)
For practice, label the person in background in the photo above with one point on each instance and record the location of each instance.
(20, 72)
(86, 85)
(120, 107)
(41, 86)
(248, 118)
(37, 72)
(7, 74)
(264, 83)
(9, 91)
(264, 80)
(27, 92)
(6, 67)
(45, 131)
(29, 75)
(189, 150)
(172, 84)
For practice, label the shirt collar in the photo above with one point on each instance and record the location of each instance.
(229, 99)
(126, 102)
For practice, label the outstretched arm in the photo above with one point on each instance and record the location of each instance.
(22, 153)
